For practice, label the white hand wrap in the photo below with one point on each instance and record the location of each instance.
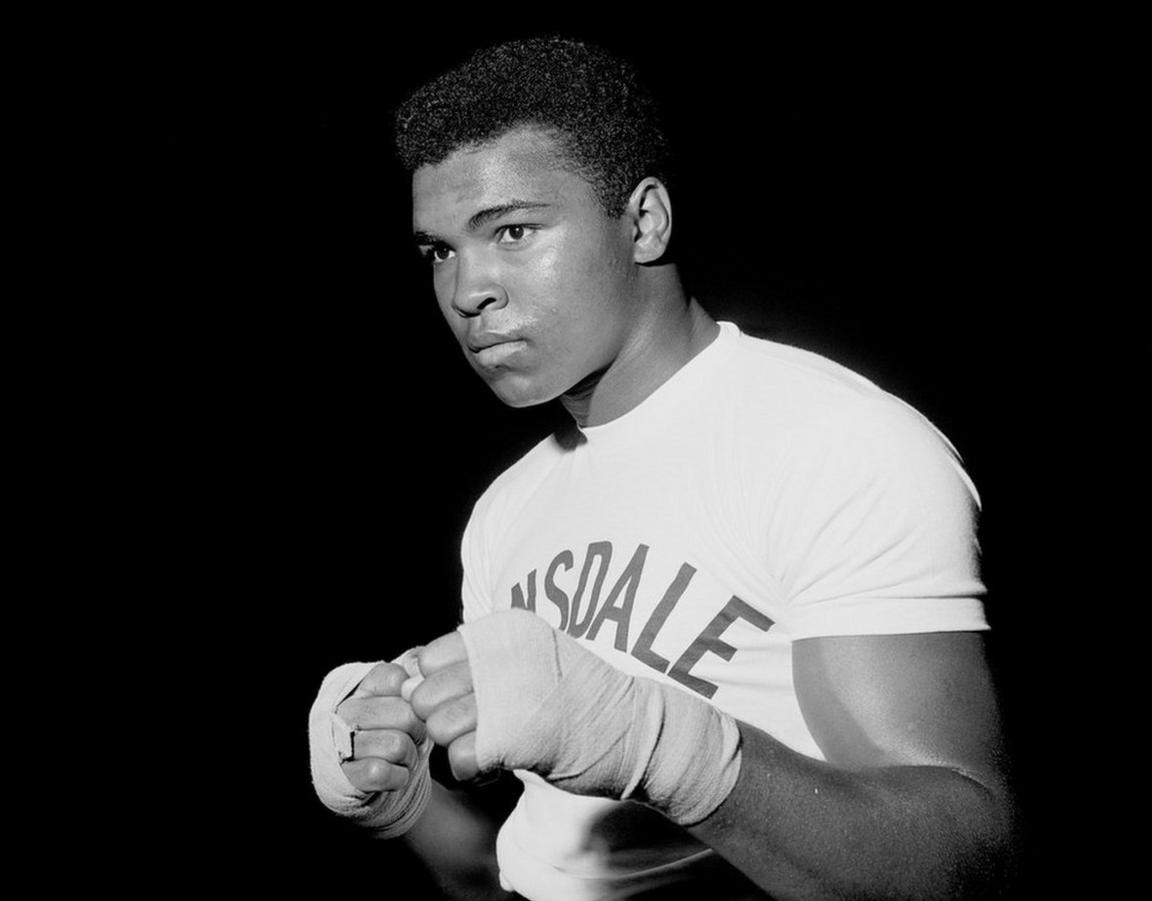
(391, 813)
(546, 704)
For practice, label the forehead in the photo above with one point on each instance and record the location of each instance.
(522, 165)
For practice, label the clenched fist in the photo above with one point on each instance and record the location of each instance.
(386, 732)
(508, 691)
(446, 702)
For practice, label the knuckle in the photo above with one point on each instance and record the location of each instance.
(452, 719)
(384, 679)
(428, 657)
(389, 745)
(349, 711)
(359, 775)
(404, 718)
(461, 672)
(406, 751)
(383, 776)
(411, 723)
(378, 713)
(462, 757)
(440, 727)
(449, 683)
(443, 652)
(392, 745)
(424, 700)
(374, 770)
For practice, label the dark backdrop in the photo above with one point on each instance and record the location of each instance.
(870, 192)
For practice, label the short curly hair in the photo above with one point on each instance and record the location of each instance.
(607, 123)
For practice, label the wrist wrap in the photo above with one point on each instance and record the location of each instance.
(549, 705)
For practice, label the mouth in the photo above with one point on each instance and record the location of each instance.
(494, 353)
(486, 340)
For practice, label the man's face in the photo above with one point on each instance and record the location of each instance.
(532, 276)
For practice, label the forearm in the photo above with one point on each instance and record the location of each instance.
(455, 839)
(802, 828)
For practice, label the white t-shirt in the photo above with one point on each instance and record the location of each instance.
(761, 495)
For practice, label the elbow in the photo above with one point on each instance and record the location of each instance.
(988, 838)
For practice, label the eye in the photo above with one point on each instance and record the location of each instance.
(436, 253)
(513, 234)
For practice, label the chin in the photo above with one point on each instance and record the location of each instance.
(518, 391)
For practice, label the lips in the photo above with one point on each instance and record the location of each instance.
(492, 351)
(484, 340)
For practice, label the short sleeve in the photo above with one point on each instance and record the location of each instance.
(875, 528)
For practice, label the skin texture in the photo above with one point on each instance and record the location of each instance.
(387, 731)
(912, 800)
(522, 254)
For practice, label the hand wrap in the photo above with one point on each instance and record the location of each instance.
(546, 704)
(391, 813)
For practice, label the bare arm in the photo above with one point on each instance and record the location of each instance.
(455, 838)
(912, 800)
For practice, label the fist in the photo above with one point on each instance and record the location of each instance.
(446, 702)
(386, 731)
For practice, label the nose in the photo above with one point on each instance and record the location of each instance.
(477, 289)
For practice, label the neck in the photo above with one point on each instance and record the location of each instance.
(668, 338)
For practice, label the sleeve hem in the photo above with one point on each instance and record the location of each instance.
(891, 616)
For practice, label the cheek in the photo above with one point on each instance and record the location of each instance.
(540, 291)
(444, 287)
(544, 273)
(576, 278)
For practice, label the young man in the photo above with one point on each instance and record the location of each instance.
(727, 630)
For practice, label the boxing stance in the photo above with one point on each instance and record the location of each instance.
(728, 634)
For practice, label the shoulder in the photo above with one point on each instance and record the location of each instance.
(808, 413)
(796, 386)
(868, 516)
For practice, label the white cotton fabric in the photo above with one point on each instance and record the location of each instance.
(761, 496)
(546, 704)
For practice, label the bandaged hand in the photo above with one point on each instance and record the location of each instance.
(369, 751)
(384, 733)
(509, 691)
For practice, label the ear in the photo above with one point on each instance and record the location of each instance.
(650, 215)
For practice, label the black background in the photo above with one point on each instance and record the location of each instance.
(881, 192)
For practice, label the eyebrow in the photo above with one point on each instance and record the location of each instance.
(479, 218)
